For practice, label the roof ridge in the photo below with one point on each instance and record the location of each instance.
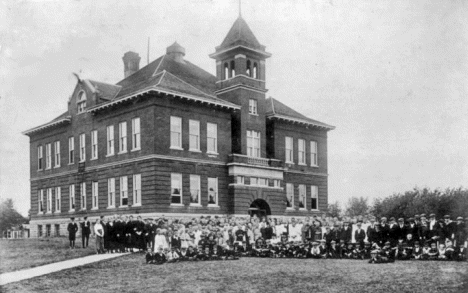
(162, 76)
(189, 84)
(157, 68)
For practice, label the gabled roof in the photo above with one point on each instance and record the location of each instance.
(278, 110)
(240, 34)
(105, 91)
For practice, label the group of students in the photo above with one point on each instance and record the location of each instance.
(228, 237)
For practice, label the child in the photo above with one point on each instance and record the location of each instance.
(387, 252)
(315, 250)
(449, 250)
(159, 257)
(183, 254)
(333, 252)
(172, 255)
(342, 249)
(349, 251)
(417, 251)
(374, 256)
(323, 249)
(461, 253)
(425, 251)
(149, 256)
(433, 251)
(367, 250)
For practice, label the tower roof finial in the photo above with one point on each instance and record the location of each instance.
(240, 8)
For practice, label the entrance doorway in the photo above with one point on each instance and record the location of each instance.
(260, 208)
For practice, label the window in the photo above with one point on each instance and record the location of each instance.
(289, 150)
(39, 158)
(71, 194)
(194, 134)
(57, 230)
(314, 197)
(111, 192)
(58, 199)
(135, 134)
(263, 181)
(57, 153)
(48, 148)
(40, 201)
(289, 195)
(302, 196)
(255, 70)
(276, 183)
(226, 71)
(248, 72)
(176, 132)
(82, 147)
(240, 179)
(253, 181)
(81, 102)
(124, 191)
(94, 144)
(39, 230)
(233, 69)
(95, 195)
(49, 201)
(48, 230)
(253, 107)
(83, 195)
(212, 138)
(71, 150)
(301, 151)
(313, 153)
(137, 190)
(110, 140)
(212, 191)
(253, 143)
(122, 137)
(194, 190)
(176, 188)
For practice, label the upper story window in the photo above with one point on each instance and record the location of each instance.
(71, 196)
(48, 148)
(253, 107)
(122, 137)
(83, 195)
(57, 154)
(111, 193)
(226, 70)
(95, 195)
(212, 191)
(194, 135)
(253, 143)
(212, 138)
(71, 150)
(176, 188)
(58, 199)
(82, 147)
(233, 69)
(194, 190)
(255, 71)
(124, 191)
(81, 102)
(40, 201)
(39, 158)
(248, 70)
(49, 201)
(176, 132)
(136, 134)
(94, 144)
(301, 146)
(110, 140)
(302, 196)
(136, 190)
(313, 153)
(289, 157)
(289, 195)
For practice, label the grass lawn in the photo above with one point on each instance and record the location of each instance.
(26, 253)
(130, 274)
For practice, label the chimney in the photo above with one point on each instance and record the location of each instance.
(176, 52)
(131, 63)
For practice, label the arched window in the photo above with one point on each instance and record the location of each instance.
(255, 70)
(233, 69)
(248, 71)
(81, 101)
(226, 71)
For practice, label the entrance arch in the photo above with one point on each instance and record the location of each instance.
(260, 208)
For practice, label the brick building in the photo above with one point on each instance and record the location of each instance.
(172, 139)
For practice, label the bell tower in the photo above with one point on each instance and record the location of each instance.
(240, 68)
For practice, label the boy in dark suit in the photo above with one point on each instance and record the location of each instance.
(85, 232)
(359, 234)
(72, 229)
(149, 256)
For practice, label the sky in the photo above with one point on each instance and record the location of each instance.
(391, 75)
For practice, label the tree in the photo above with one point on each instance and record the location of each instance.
(357, 206)
(334, 209)
(9, 217)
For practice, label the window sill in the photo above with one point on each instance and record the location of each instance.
(213, 206)
(194, 151)
(123, 152)
(57, 166)
(303, 209)
(196, 205)
(40, 213)
(314, 210)
(57, 212)
(47, 168)
(136, 150)
(95, 209)
(40, 170)
(176, 148)
(123, 207)
(110, 207)
(176, 205)
(69, 164)
(136, 205)
(83, 210)
(290, 209)
(109, 155)
(93, 159)
(49, 213)
(82, 161)
(302, 164)
(212, 153)
(253, 114)
(289, 163)
(315, 166)
(71, 211)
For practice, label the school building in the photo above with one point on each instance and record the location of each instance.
(172, 139)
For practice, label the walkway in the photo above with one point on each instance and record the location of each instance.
(21, 275)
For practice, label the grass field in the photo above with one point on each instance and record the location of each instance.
(26, 253)
(130, 274)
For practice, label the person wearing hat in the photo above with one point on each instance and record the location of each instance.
(119, 230)
(99, 232)
(385, 230)
(388, 252)
(85, 232)
(448, 229)
(323, 248)
(333, 251)
(346, 232)
(412, 228)
(394, 232)
(359, 234)
(366, 253)
(375, 257)
(460, 232)
(371, 234)
(434, 230)
(315, 250)
(72, 229)
(403, 228)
